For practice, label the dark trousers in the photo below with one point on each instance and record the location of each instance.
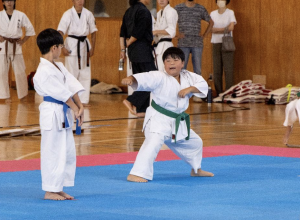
(141, 100)
(222, 61)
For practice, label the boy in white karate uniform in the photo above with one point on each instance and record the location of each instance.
(78, 23)
(292, 112)
(11, 23)
(59, 88)
(165, 120)
(164, 30)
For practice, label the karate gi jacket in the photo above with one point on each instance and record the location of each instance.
(165, 89)
(137, 22)
(168, 22)
(60, 85)
(71, 24)
(13, 29)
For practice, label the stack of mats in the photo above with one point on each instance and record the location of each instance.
(244, 92)
(280, 96)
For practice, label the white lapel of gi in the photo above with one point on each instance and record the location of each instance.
(4, 15)
(13, 25)
(75, 16)
(5, 24)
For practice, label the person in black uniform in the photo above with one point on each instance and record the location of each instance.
(136, 35)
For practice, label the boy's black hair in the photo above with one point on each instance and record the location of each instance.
(9, 0)
(174, 52)
(133, 2)
(48, 38)
(227, 1)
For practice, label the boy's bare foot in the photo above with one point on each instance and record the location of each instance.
(53, 196)
(141, 114)
(86, 105)
(7, 101)
(67, 196)
(201, 173)
(129, 106)
(137, 179)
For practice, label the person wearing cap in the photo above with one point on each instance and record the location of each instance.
(12, 21)
(78, 23)
(292, 112)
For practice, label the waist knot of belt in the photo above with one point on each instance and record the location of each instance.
(179, 117)
(14, 42)
(81, 39)
(65, 109)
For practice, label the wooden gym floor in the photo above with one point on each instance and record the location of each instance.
(110, 129)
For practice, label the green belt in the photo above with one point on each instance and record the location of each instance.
(179, 117)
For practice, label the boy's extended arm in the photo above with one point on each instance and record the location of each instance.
(186, 91)
(130, 81)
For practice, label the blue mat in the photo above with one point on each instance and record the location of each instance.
(244, 187)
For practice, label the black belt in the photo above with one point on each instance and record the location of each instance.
(82, 39)
(162, 40)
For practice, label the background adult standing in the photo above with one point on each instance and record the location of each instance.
(164, 30)
(136, 35)
(11, 23)
(224, 21)
(78, 23)
(190, 38)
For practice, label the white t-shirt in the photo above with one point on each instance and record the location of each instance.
(221, 21)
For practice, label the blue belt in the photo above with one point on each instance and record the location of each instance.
(65, 109)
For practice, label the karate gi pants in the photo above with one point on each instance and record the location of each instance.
(83, 75)
(159, 57)
(18, 66)
(160, 63)
(188, 150)
(141, 100)
(58, 158)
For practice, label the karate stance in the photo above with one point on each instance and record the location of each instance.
(78, 23)
(59, 88)
(164, 30)
(165, 120)
(292, 112)
(11, 23)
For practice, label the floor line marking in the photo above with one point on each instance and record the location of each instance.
(108, 140)
(27, 155)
